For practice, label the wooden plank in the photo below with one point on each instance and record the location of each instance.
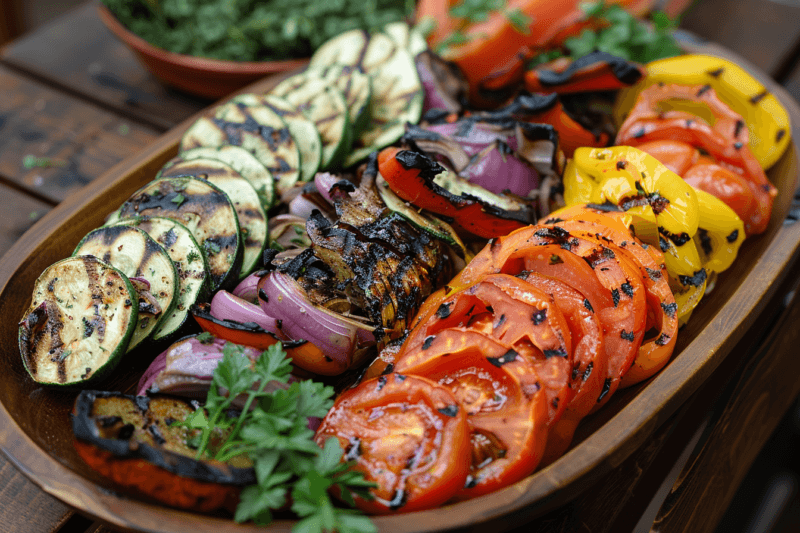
(79, 141)
(792, 82)
(765, 390)
(20, 212)
(763, 32)
(25, 507)
(99, 67)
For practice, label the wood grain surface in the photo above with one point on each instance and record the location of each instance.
(72, 141)
(99, 67)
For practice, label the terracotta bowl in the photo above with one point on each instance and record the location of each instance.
(209, 78)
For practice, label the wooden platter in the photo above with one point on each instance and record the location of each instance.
(36, 436)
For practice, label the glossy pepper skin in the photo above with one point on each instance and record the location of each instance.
(678, 113)
(764, 116)
(410, 175)
(598, 71)
(663, 208)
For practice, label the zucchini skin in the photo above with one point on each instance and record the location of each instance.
(193, 281)
(171, 198)
(111, 241)
(148, 467)
(33, 333)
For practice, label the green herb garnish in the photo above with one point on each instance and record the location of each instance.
(623, 35)
(251, 30)
(178, 199)
(474, 11)
(272, 430)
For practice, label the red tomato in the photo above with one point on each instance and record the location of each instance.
(503, 396)
(661, 308)
(408, 435)
(512, 311)
(624, 322)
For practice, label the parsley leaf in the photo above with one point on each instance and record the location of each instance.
(272, 431)
(178, 199)
(619, 33)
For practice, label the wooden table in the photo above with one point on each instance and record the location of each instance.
(74, 101)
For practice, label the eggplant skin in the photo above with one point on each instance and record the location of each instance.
(150, 468)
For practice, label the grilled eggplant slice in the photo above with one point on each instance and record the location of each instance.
(242, 162)
(205, 210)
(254, 127)
(190, 264)
(82, 316)
(147, 265)
(252, 217)
(118, 434)
(325, 105)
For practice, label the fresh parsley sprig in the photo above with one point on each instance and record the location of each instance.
(623, 35)
(272, 430)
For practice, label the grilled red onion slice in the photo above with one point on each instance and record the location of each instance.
(247, 289)
(336, 335)
(226, 306)
(443, 85)
(497, 170)
(302, 206)
(186, 369)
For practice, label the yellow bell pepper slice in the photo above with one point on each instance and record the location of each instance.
(720, 233)
(663, 209)
(765, 116)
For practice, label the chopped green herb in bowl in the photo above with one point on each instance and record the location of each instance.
(251, 30)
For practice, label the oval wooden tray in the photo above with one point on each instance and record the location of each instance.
(35, 432)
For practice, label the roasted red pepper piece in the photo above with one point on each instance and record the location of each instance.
(598, 71)
(727, 140)
(410, 175)
(548, 109)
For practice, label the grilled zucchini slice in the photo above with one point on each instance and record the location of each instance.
(356, 87)
(82, 316)
(304, 132)
(347, 48)
(242, 162)
(397, 97)
(257, 129)
(326, 107)
(406, 37)
(193, 277)
(205, 210)
(252, 217)
(137, 255)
